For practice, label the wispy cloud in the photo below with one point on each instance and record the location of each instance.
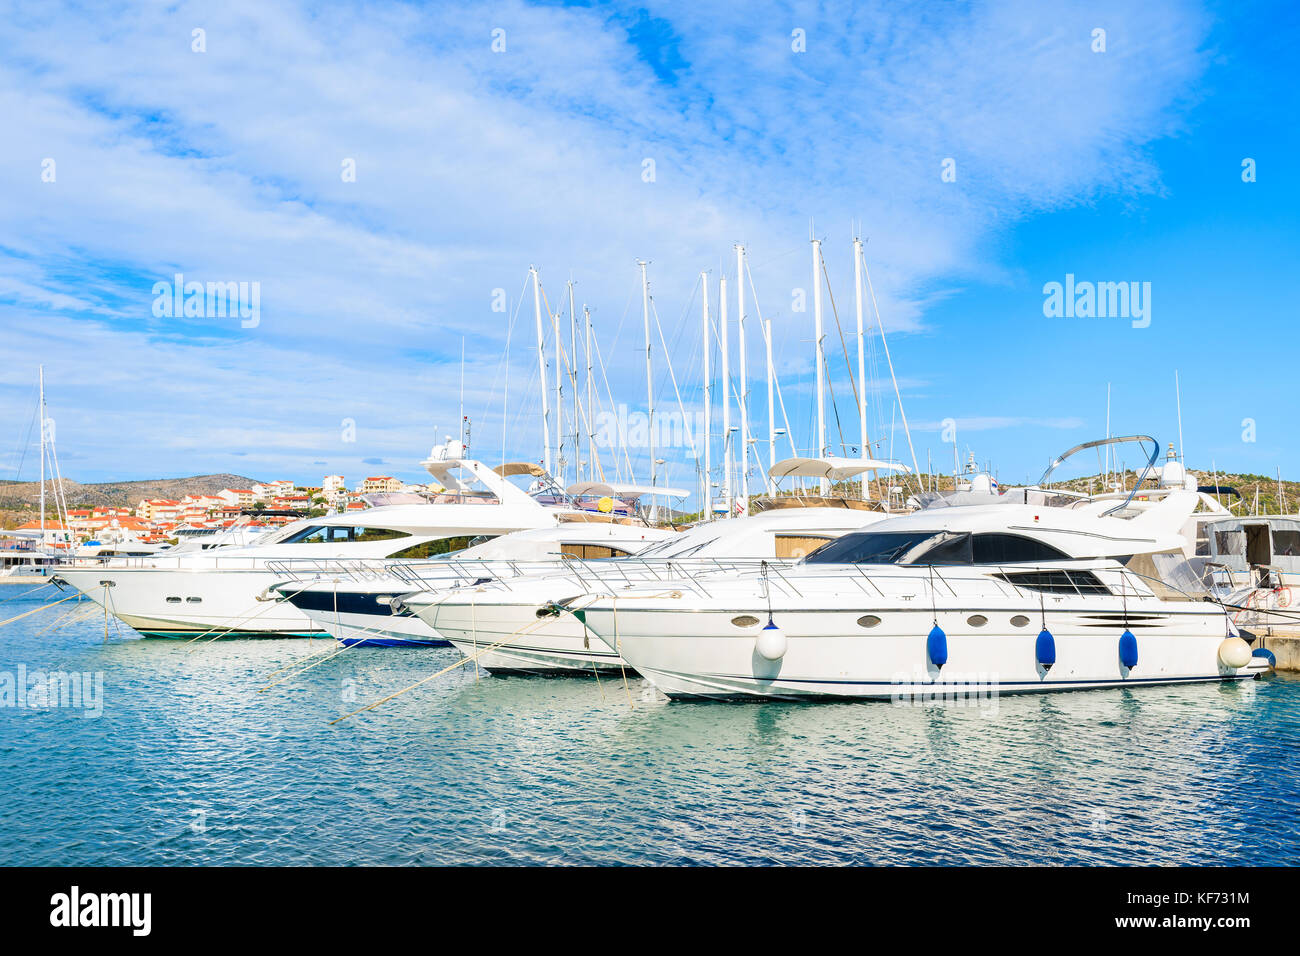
(471, 165)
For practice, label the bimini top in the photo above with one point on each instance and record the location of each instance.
(512, 468)
(1010, 533)
(587, 489)
(834, 469)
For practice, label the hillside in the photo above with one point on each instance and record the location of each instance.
(1252, 488)
(16, 495)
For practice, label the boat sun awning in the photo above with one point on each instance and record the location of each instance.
(835, 469)
(512, 468)
(585, 489)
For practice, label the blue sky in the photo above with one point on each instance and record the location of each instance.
(472, 165)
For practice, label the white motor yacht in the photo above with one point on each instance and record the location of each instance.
(514, 624)
(357, 605)
(223, 591)
(1002, 598)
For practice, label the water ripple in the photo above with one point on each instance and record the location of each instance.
(189, 764)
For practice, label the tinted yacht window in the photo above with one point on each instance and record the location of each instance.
(869, 547)
(1057, 582)
(323, 534)
(1013, 549)
(950, 550)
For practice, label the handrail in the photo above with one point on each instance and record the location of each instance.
(1155, 454)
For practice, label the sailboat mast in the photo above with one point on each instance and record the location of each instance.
(573, 381)
(821, 365)
(1178, 398)
(862, 361)
(744, 374)
(591, 408)
(1108, 447)
(559, 395)
(707, 500)
(40, 414)
(726, 396)
(771, 408)
(649, 379)
(541, 371)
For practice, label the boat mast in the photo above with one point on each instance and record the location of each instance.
(541, 371)
(821, 365)
(771, 409)
(1106, 488)
(41, 422)
(884, 343)
(649, 380)
(573, 381)
(462, 391)
(708, 399)
(744, 375)
(591, 408)
(559, 394)
(862, 362)
(726, 396)
(1178, 398)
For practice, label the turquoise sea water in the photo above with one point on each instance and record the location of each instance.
(189, 764)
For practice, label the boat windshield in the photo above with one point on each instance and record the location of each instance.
(935, 548)
(685, 544)
(870, 547)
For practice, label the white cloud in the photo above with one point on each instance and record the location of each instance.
(472, 165)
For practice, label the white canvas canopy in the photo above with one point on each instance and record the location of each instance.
(834, 469)
(584, 489)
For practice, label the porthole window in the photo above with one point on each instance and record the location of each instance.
(194, 600)
(173, 600)
(744, 620)
(868, 620)
(1019, 620)
(977, 620)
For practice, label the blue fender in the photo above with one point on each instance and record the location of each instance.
(1266, 654)
(1128, 649)
(1045, 649)
(936, 646)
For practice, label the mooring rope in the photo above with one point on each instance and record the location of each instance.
(24, 594)
(243, 620)
(460, 663)
(19, 617)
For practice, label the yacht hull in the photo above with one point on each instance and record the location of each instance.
(376, 628)
(513, 638)
(828, 655)
(187, 603)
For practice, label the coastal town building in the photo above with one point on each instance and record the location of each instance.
(381, 483)
(157, 519)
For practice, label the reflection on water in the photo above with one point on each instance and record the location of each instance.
(190, 764)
